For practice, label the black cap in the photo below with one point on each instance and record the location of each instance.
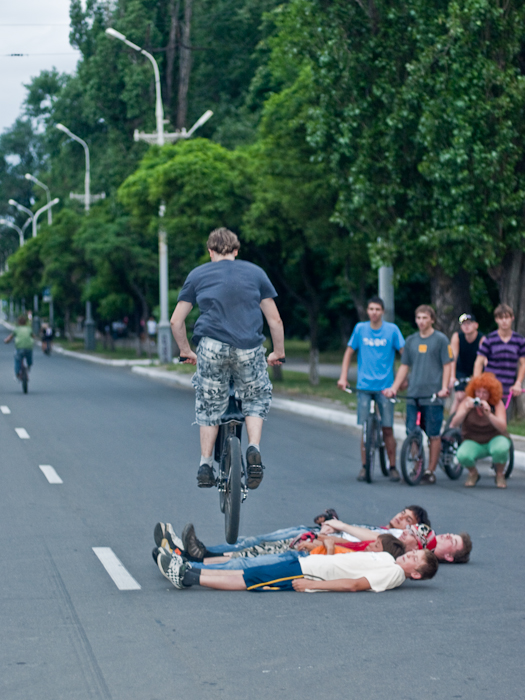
(466, 317)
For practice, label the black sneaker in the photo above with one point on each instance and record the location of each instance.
(191, 544)
(173, 568)
(206, 477)
(159, 550)
(362, 475)
(164, 531)
(254, 467)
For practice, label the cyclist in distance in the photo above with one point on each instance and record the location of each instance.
(376, 342)
(23, 336)
(464, 344)
(429, 357)
(232, 296)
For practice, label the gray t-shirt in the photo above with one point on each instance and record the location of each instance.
(426, 358)
(228, 294)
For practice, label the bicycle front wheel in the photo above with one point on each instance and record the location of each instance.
(413, 458)
(232, 496)
(371, 445)
(450, 442)
(510, 463)
(24, 381)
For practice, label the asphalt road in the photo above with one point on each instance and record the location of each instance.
(126, 452)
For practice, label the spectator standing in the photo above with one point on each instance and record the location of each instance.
(503, 353)
(429, 357)
(465, 345)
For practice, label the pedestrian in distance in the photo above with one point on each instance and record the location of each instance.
(23, 336)
(429, 357)
(375, 342)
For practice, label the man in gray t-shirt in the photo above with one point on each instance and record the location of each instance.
(429, 357)
(232, 296)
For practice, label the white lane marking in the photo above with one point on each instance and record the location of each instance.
(22, 433)
(5, 409)
(123, 580)
(50, 474)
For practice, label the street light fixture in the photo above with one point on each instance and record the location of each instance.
(160, 137)
(5, 222)
(87, 197)
(21, 207)
(28, 176)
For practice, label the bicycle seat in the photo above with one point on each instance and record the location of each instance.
(233, 412)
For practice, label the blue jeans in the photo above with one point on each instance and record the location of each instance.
(243, 542)
(19, 354)
(386, 407)
(249, 562)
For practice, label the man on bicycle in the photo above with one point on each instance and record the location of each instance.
(231, 294)
(23, 336)
(376, 342)
(429, 357)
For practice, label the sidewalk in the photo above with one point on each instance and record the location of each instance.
(331, 413)
(312, 409)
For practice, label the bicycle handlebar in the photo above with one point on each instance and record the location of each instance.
(350, 391)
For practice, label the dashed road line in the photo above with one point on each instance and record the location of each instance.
(50, 474)
(123, 580)
(22, 433)
(5, 409)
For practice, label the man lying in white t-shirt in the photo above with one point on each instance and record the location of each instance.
(363, 571)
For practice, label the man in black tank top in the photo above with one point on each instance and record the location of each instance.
(465, 344)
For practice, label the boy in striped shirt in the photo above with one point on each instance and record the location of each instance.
(502, 352)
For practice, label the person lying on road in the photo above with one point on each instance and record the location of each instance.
(363, 571)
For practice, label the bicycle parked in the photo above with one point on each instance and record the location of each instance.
(373, 442)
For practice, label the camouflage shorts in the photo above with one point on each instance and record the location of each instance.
(216, 363)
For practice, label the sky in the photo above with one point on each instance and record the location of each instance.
(39, 28)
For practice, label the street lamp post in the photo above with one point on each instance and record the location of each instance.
(5, 222)
(28, 176)
(87, 198)
(164, 336)
(33, 217)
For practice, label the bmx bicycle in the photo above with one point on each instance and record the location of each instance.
(23, 374)
(373, 441)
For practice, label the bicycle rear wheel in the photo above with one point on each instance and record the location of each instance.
(510, 463)
(413, 458)
(232, 496)
(450, 442)
(24, 379)
(371, 445)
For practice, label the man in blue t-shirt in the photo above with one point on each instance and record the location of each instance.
(232, 296)
(376, 342)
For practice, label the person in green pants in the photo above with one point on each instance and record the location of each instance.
(23, 336)
(483, 421)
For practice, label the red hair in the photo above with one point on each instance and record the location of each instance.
(487, 381)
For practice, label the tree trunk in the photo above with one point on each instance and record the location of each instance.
(67, 324)
(510, 278)
(171, 49)
(184, 66)
(450, 298)
(313, 314)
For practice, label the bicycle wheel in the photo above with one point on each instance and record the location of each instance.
(24, 380)
(370, 439)
(450, 441)
(510, 463)
(382, 451)
(232, 497)
(413, 458)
